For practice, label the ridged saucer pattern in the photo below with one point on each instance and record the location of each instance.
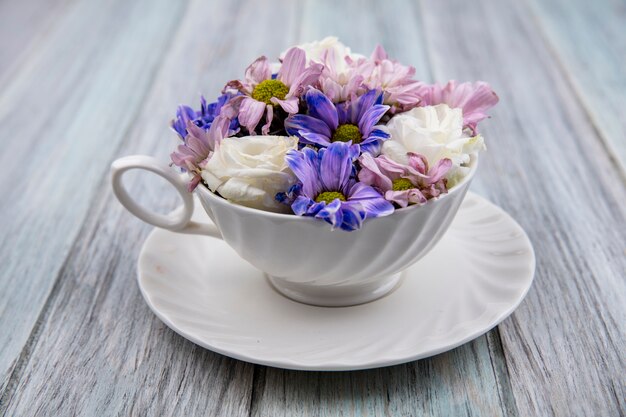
(473, 279)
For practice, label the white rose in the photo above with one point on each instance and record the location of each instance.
(251, 170)
(435, 132)
(315, 51)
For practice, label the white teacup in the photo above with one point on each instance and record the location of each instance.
(301, 256)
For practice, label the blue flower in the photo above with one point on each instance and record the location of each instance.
(328, 190)
(202, 118)
(353, 122)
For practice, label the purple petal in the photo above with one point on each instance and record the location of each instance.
(364, 103)
(331, 213)
(371, 146)
(343, 111)
(305, 166)
(301, 122)
(322, 108)
(373, 203)
(371, 117)
(300, 205)
(336, 166)
(353, 216)
(310, 138)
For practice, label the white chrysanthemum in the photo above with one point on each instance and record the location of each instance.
(315, 52)
(435, 132)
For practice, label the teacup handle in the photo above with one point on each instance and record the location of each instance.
(177, 221)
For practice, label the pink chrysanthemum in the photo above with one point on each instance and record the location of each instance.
(400, 90)
(261, 92)
(340, 79)
(474, 99)
(408, 184)
(198, 147)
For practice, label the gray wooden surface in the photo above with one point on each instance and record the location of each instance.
(84, 82)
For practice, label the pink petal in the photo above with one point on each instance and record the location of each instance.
(258, 71)
(195, 180)
(379, 54)
(401, 198)
(290, 105)
(439, 171)
(269, 116)
(239, 86)
(371, 173)
(218, 130)
(293, 65)
(250, 113)
(231, 108)
(307, 77)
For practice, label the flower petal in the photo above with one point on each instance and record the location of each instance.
(293, 65)
(310, 138)
(258, 71)
(301, 122)
(336, 166)
(379, 54)
(308, 77)
(322, 108)
(370, 117)
(269, 117)
(371, 173)
(353, 216)
(331, 213)
(371, 200)
(250, 113)
(300, 205)
(305, 165)
(290, 105)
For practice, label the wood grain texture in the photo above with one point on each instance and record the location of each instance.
(546, 165)
(593, 60)
(23, 26)
(95, 332)
(457, 383)
(81, 341)
(62, 117)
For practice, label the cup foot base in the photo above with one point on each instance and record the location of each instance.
(335, 295)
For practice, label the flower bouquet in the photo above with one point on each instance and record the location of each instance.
(333, 135)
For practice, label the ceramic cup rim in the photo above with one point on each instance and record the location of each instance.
(201, 188)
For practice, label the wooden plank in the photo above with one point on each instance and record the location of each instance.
(546, 165)
(62, 117)
(23, 25)
(97, 340)
(589, 41)
(457, 383)
(464, 382)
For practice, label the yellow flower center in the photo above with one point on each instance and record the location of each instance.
(329, 196)
(402, 184)
(266, 89)
(347, 132)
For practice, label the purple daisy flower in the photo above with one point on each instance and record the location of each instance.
(202, 118)
(328, 190)
(353, 122)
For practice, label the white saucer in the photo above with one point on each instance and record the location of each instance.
(472, 280)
